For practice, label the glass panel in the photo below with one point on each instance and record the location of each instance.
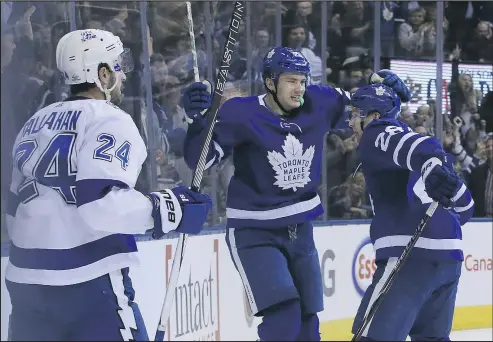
(30, 81)
(349, 31)
(124, 20)
(341, 39)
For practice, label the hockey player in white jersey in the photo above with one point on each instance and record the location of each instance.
(73, 206)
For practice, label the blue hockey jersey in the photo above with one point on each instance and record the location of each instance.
(277, 159)
(392, 157)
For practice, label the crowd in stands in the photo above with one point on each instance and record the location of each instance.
(30, 81)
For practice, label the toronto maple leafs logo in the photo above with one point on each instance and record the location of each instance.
(379, 91)
(293, 166)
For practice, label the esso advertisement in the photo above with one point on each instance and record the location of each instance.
(364, 266)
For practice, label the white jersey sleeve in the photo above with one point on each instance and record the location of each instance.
(109, 160)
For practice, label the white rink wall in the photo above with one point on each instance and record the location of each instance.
(210, 302)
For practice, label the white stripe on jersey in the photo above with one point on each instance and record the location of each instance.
(411, 150)
(399, 146)
(126, 313)
(272, 214)
(426, 243)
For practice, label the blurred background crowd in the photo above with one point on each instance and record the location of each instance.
(443, 50)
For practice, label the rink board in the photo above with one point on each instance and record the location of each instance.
(210, 302)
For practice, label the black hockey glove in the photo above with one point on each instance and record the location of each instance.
(441, 183)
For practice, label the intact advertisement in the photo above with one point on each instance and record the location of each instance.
(195, 312)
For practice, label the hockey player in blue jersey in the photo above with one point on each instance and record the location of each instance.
(276, 143)
(73, 208)
(404, 173)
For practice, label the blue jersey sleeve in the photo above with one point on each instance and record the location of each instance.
(227, 134)
(390, 144)
(334, 102)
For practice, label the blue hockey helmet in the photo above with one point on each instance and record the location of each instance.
(376, 98)
(282, 59)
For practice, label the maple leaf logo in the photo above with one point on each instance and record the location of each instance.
(380, 91)
(292, 167)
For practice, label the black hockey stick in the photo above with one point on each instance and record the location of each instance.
(229, 49)
(398, 265)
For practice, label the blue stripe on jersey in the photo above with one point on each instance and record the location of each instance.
(90, 190)
(65, 259)
(13, 202)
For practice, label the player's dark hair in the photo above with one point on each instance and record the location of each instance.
(86, 86)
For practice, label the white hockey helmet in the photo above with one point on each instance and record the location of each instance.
(79, 53)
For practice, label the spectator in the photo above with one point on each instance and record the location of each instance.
(356, 27)
(304, 13)
(480, 182)
(407, 117)
(416, 36)
(486, 111)
(481, 46)
(389, 15)
(295, 37)
(348, 200)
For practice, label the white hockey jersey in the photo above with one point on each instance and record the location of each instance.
(70, 221)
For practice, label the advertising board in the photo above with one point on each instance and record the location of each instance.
(210, 302)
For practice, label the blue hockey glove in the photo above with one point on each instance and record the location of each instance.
(393, 81)
(179, 209)
(441, 184)
(197, 99)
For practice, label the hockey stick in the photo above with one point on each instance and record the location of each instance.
(229, 49)
(398, 265)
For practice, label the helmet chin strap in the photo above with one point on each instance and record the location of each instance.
(276, 100)
(106, 91)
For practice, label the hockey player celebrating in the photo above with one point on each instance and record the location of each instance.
(405, 172)
(276, 141)
(74, 207)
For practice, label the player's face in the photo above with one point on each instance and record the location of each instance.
(117, 93)
(355, 121)
(290, 90)
(358, 123)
